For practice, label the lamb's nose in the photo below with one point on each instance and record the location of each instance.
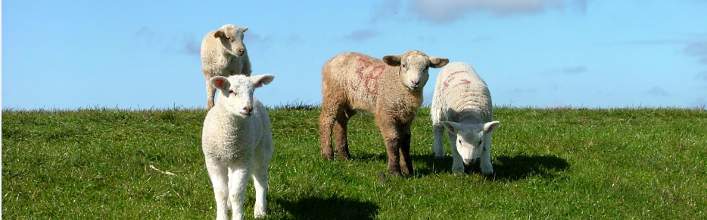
(248, 109)
(241, 51)
(415, 82)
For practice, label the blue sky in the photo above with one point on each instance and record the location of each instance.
(544, 53)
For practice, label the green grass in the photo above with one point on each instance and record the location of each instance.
(550, 163)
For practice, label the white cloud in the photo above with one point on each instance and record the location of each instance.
(443, 11)
(387, 9)
(697, 49)
(361, 35)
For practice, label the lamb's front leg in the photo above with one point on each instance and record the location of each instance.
(405, 159)
(457, 162)
(486, 166)
(437, 146)
(237, 183)
(391, 136)
(260, 180)
(219, 179)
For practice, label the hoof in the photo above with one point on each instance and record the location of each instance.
(259, 213)
(408, 173)
(344, 157)
(327, 156)
(394, 172)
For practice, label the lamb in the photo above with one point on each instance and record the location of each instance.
(223, 53)
(390, 88)
(237, 143)
(462, 104)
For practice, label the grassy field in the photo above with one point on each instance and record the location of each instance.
(554, 163)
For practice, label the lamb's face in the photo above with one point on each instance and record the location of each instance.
(237, 92)
(414, 66)
(231, 38)
(471, 138)
(469, 144)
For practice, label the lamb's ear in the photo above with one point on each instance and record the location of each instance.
(261, 80)
(245, 29)
(219, 34)
(392, 60)
(437, 62)
(452, 126)
(490, 126)
(220, 82)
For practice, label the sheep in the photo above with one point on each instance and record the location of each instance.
(462, 104)
(223, 53)
(390, 88)
(237, 143)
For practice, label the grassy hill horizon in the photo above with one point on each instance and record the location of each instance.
(550, 163)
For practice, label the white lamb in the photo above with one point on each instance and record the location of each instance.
(237, 143)
(462, 104)
(223, 53)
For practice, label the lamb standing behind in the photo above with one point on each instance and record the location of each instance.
(223, 53)
(237, 143)
(462, 104)
(390, 88)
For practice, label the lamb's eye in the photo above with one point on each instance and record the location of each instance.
(460, 141)
(405, 66)
(479, 142)
(231, 92)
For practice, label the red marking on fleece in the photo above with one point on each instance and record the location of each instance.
(368, 73)
(451, 78)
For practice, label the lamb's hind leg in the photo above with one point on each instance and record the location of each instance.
(210, 93)
(326, 121)
(340, 130)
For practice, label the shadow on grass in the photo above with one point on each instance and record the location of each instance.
(330, 208)
(369, 157)
(522, 166)
(434, 165)
(507, 168)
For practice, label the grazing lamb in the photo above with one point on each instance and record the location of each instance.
(390, 88)
(223, 53)
(462, 104)
(237, 143)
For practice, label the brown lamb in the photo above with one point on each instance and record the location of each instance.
(390, 88)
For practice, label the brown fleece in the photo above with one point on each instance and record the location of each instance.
(354, 81)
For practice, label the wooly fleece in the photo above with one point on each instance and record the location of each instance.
(462, 104)
(223, 53)
(390, 88)
(237, 144)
